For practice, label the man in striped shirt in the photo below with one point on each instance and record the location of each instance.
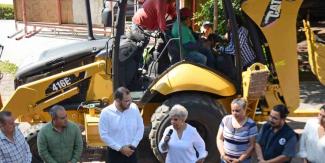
(247, 54)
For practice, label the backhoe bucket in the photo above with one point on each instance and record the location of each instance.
(316, 53)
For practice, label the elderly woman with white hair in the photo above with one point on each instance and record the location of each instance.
(181, 141)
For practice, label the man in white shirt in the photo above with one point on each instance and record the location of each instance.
(121, 128)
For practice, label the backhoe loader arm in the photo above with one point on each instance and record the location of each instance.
(276, 19)
(41, 94)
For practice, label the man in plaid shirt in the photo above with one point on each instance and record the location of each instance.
(247, 53)
(13, 146)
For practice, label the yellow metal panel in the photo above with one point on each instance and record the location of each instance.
(272, 97)
(306, 112)
(316, 53)
(147, 110)
(226, 103)
(281, 38)
(26, 97)
(101, 86)
(189, 77)
(320, 61)
(41, 117)
(92, 134)
(56, 99)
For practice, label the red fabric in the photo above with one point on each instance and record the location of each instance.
(171, 10)
(152, 15)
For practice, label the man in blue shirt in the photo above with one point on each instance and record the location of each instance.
(276, 141)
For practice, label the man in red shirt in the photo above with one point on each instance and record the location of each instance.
(154, 13)
(152, 16)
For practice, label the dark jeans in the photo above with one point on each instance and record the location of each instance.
(226, 65)
(196, 57)
(211, 60)
(118, 157)
(198, 47)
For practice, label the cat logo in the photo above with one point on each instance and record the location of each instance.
(272, 13)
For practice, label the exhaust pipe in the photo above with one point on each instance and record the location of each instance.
(89, 22)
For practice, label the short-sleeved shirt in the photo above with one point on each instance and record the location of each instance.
(289, 144)
(236, 140)
(14, 152)
(152, 15)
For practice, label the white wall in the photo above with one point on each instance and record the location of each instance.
(6, 2)
(79, 11)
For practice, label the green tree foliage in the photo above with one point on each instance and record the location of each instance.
(7, 67)
(6, 11)
(206, 13)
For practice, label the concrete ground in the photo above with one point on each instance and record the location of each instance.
(312, 93)
(28, 49)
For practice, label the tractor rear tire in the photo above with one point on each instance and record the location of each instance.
(31, 139)
(33, 149)
(204, 113)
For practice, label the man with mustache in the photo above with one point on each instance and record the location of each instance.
(60, 140)
(276, 141)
